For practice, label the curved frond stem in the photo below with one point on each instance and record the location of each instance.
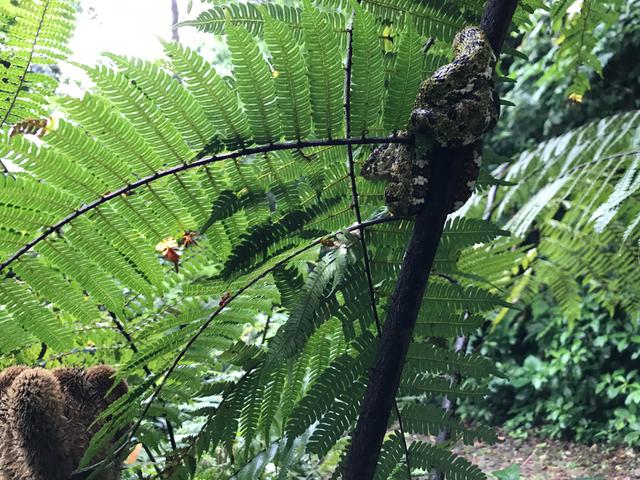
(26, 67)
(132, 346)
(363, 240)
(293, 145)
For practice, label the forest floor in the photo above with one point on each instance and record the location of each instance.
(544, 459)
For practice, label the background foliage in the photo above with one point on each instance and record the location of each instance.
(571, 352)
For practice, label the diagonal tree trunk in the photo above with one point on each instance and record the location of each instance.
(406, 300)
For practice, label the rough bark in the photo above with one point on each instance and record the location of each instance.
(411, 285)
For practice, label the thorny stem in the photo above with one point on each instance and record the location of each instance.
(363, 238)
(293, 145)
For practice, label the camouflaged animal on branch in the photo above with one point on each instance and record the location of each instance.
(454, 107)
(46, 420)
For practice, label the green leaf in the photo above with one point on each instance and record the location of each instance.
(404, 80)
(215, 97)
(254, 83)
(367, 81)
(292, 84)
(326, 75)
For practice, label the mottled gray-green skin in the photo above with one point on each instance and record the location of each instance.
(456, 106)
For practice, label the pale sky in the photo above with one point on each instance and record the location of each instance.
(130, 27)
(126, 27)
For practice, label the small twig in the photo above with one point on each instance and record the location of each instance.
(363, 238)
(43, 352)
(266, 330)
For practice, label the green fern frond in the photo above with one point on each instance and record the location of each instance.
(443, 297)
(431, 457)
(35, 319)
(391, 457)
(247, 15)
(212, 93)
(291, 81)
(425, 358)
(447, 325)
(430, 420)
(37, 33)
(314, 305)
(367, 84)
(337, 420)
(255, 85)
(337, 379)
(324, 60)
(418, 385)
(434, 20)
(404, 80)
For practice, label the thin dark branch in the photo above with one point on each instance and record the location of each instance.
(293, 145)
(175, 18)
(149, 453)
(171, 433)
(406, 300)
(266, 330)
(363, 237)
(43, 352)
(23, 77)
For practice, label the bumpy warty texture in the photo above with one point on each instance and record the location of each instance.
(46, 419)
(454, 107)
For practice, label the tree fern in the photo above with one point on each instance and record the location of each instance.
(586, 178)
(255, 164)
(37, 33)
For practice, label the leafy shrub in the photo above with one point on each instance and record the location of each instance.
(577, 381)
